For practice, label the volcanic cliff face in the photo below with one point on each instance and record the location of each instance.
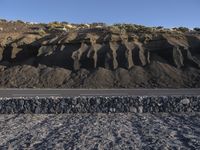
(99, 58)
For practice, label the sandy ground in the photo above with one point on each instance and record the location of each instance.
(101, 131)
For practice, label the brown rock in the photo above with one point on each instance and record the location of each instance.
(76, 55)
(114, 47)
(1, 53)
(53, 77)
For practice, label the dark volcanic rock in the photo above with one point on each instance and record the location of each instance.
(100, 131)
(98, 104)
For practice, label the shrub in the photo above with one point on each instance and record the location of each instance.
(126, 27)
(98, 24)
(19, 21)
(42, 32)
(159, 27)
(64, 22)
(183, 29)
(3, 20)
(54, 25)
(133, 28)
(197, 29)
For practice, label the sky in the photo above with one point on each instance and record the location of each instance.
(167, 13)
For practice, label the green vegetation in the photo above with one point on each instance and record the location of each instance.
(197, 29)
(54, 25)
(159, 27)
(3, 20)
(19, 21)
(134, 28)
(126, 27)
(181, 29)
(41, 32)
(95, 24)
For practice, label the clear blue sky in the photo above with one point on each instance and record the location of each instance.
(168, 13)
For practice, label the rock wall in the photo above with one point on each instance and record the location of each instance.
(115, 104)
(101, 60)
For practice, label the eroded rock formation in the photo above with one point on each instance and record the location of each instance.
(105, 54)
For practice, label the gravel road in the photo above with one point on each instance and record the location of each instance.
(100, 131)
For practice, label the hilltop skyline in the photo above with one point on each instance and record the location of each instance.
(166, 13)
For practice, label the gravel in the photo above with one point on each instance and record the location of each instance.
(95, 123)
(100, 104)
(100, 131)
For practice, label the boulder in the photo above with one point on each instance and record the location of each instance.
(20, 77)
(53, 77)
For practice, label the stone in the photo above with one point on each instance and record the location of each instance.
(178, 57)
(133, 109)
(185, 101)
(77, 55)
(114, 47)
(1, 53)
(88, 104)
(140, 109)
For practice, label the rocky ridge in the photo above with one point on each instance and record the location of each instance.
(100, 58)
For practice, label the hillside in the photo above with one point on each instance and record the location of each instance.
(97, 56)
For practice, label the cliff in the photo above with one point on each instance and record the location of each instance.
(97, 57)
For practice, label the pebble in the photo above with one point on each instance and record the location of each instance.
(112, 104)
(185, 101)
